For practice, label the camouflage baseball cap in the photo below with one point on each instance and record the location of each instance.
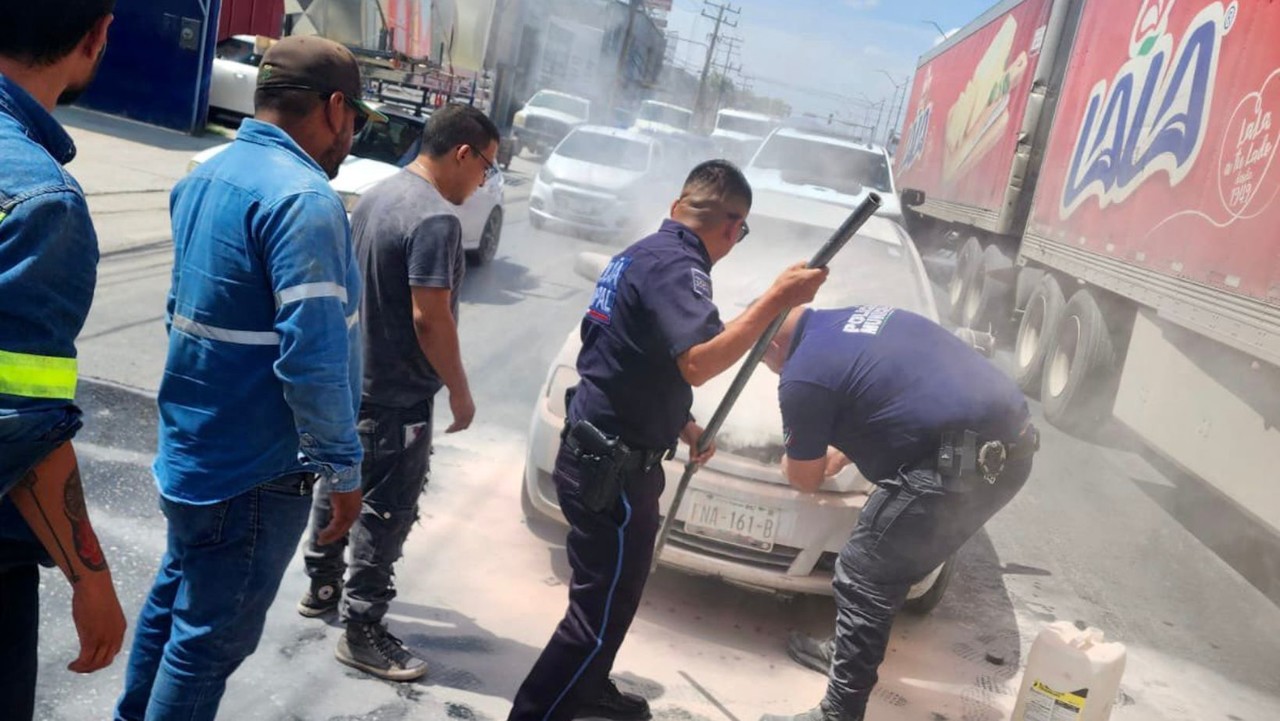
(312, 63)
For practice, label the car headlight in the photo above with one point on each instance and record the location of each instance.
(546, 176)
(518, 121)
(562, 380)
(349, 200)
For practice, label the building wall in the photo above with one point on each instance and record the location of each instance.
(157, 65)
(250, 17)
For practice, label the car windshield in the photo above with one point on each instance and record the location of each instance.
(812, 162)
(610, 150)
(746, 126)
(238, 51)
(395, 141)
(675, 117)
(560, 103)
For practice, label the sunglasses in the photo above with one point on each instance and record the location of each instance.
(490, 169)
(361, 119)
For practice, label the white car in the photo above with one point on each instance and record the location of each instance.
(828, 168)
(662, 118)
(547, 118)
(739, 132)
(381, 150)
(235, 74)
(602, 181)
(789, 540)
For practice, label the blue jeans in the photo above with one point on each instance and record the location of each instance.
(910, 526)
(206, 611)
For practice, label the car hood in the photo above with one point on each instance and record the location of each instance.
(770, 181)
(735, 135)
(879, 266)
(591, 175)
(651, 126)
(357, 175)
(556, 115)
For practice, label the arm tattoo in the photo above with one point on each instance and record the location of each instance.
(28, 483)
(82, 535)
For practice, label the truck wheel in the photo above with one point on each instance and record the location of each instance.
(489, 239)
(536, 221)
(1039, 322)
(1079, 365)
(925, 603)
(1028, 279)
(987, 294)
(969, 255)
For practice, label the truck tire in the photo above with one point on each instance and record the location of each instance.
(987, 302)
(1079, 365)
(969, 255)
(1039, 323)
(922, 605)
(1028, 279)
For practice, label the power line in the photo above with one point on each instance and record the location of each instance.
(720, 11)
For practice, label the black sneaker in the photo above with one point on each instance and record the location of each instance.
(810, 652)
(372, 649)
(615, 705)
(321, 598)
(817, 713)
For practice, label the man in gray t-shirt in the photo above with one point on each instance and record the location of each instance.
(409, 246)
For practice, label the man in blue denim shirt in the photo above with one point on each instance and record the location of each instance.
(48, 267)
(262, 382)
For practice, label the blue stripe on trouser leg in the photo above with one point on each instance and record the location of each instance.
(610, 555)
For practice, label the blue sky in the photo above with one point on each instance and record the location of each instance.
(835, 45)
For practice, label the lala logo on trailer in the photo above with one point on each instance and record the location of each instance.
(601, 309)
(919, 132)
(1152, 116)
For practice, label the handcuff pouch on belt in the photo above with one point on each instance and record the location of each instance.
(960, 454)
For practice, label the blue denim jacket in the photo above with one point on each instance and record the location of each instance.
(263, 374)
(48, 269)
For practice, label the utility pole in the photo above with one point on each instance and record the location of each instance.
(899, 100)
(732, 44)
(620, 78)
(719, 17)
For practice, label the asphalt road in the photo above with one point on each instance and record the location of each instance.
(1098, 536)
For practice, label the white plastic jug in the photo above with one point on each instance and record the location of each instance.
(1071, 675)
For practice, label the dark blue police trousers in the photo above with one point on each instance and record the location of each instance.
(610, 554)
(909, 526)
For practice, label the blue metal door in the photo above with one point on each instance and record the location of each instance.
(158, 62)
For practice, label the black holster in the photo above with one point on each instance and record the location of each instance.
(601, 460)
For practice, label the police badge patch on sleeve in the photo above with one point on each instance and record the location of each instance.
(701, 283)
(601, 309)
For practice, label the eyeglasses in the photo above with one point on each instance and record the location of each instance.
(744, 231)
(490, 169)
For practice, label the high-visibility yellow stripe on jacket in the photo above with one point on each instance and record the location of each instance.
(37, 376)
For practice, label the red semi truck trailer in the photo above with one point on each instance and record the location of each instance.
(1104, 171)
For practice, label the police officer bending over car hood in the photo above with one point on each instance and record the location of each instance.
(651, 332)
(941, 431)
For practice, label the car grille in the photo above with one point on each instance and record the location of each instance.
(781, 557)
(546, 126)
(580, 205)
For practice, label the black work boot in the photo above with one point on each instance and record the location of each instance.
(372, 649)
(811, 652)
(321, 598)
(615, 705)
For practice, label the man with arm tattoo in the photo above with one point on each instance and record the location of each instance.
(49, 52)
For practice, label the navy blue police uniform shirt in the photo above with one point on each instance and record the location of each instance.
(652, 303)
(882, 384)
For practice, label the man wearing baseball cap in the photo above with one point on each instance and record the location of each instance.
(260, 391)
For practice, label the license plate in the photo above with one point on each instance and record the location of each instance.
(577, 206)
(730, 521)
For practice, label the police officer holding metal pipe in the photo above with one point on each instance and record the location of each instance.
(944, 435)
(651, 333)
